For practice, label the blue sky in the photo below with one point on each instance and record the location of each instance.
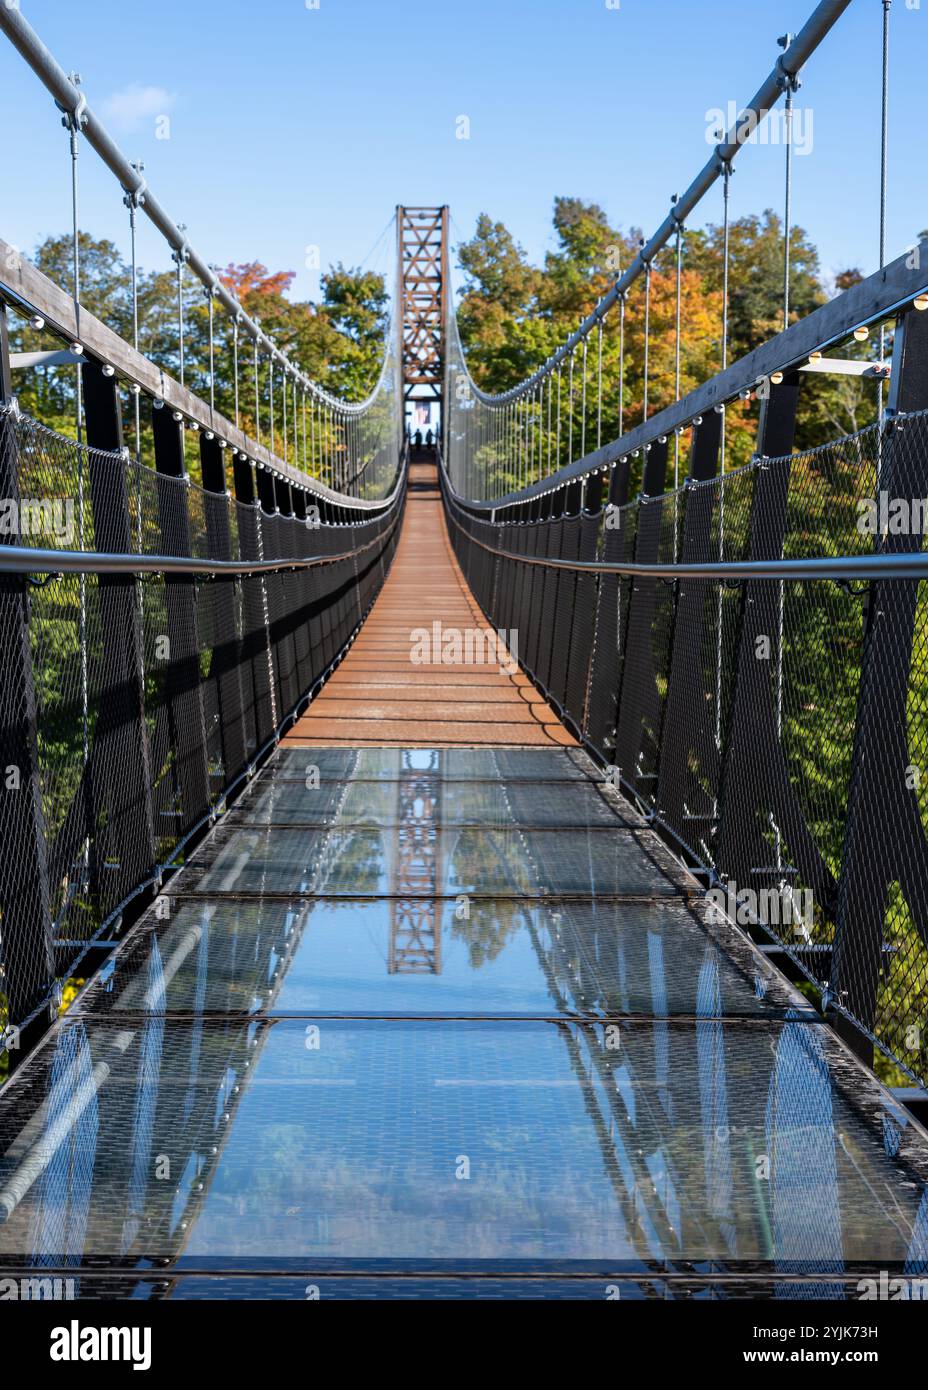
(293, 127)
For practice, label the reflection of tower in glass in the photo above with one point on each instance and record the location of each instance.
(416, 869)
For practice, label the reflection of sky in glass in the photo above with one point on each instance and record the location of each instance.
(537, 1079)
(805, 1197)
(62, 1194)
(713, 1096)
(146, 1101)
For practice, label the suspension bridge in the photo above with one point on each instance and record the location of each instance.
(487, 868)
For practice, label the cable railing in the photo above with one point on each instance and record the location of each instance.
(747, 657)
(157, 639)
(160, 627)
(509, 434)
(571, 417)
(745, 654)
(351, 445)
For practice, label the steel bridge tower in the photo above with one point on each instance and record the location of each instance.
(422, 250)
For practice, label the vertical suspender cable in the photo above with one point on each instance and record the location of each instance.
(545, 386)
(284, 394)
(235, 367)
(542, 429)
(884, 165)
(529, 435)
(790, 85)
(212, 355)
(621, 365)
(72, 123)
(676, 351)
(270, 365)
(131, 202)
(530, 443)
(647, 337)
(180, 259)
(570, 410)
(583, 405)
(788, 209)
(514, 444)
(726, 256)
(677, 380)
(726, 252)
(599, 386)
(257, 398)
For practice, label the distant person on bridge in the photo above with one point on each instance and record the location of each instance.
(418, 439)
(428, 439)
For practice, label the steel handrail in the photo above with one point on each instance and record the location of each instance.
(908, 565)
(18, 559)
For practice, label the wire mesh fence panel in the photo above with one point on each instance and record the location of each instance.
(776, 728)
(134, 701)
(644, 678)
(712, 526)
(583, 623)
(609, 640)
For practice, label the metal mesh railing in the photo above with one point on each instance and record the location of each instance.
(133, 702)
(775, 728)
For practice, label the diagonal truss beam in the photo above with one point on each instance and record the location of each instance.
(423, 243)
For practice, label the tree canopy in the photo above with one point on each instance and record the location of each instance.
(513, 315)
(338, 342)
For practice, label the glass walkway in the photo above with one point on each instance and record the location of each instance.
(448, 1023)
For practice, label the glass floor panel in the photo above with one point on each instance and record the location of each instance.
(542, 1147)
(453, 764)
(404, 862)
(423, 799)
(448, 1024)
(425, 958)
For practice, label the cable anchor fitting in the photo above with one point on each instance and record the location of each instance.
(181, 254)
(134, 198)
(74, 120)
(787, 81)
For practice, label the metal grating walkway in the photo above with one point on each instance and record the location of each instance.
(447, 1023)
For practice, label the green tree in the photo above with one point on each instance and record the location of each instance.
(356, 304)
(755, 305)
(338, 342)
(497, 306)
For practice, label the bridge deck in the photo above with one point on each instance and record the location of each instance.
(447, 1021)
(392, 688)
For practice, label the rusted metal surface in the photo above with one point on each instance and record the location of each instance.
(423, 241)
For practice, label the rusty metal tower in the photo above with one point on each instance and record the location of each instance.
(422, 236)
